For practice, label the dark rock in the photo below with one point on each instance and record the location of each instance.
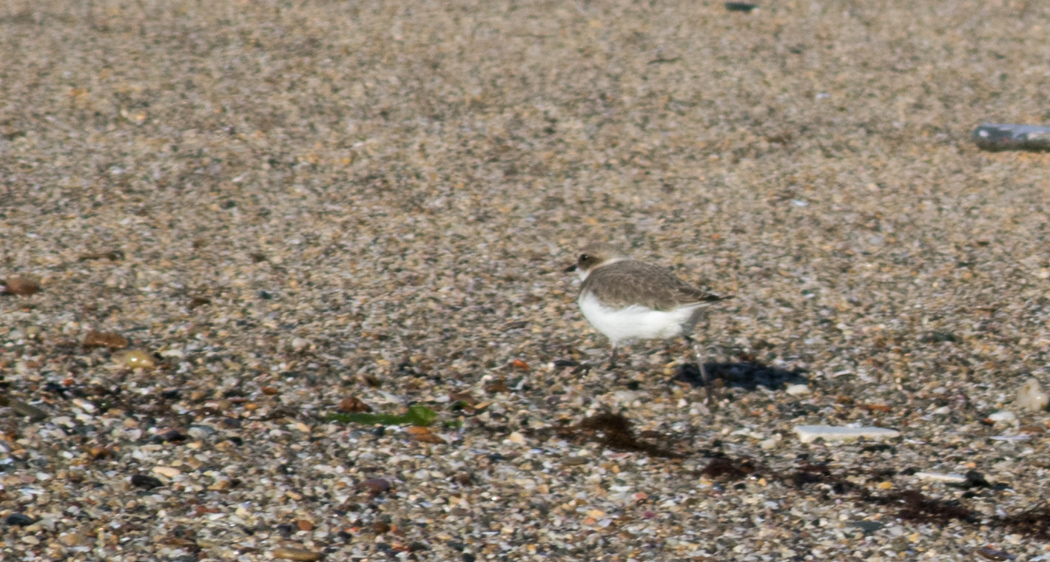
(868, 527)
(19, 520)
(144, 481)
(375, 485)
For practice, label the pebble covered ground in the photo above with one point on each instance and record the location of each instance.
(223, 222)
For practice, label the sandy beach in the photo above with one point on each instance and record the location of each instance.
(223, 222)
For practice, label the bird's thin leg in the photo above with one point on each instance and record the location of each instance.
(708, 385)
(612, 358)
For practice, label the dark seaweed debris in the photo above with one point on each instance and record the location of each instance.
(915, 506)
(614, 431)
(729, 469)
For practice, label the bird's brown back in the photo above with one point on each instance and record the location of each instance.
(623, 283)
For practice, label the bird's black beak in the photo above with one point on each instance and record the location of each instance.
(570, 269)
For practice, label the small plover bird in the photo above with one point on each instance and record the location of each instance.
(629, 300)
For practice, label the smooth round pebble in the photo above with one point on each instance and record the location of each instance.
(135, 359)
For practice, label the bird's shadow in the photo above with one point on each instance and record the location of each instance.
(748, 375)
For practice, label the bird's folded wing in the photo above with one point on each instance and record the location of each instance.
(627, 283)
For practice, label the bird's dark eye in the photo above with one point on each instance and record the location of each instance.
(584, 257)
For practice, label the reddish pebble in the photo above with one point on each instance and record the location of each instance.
(105, 339)
(22, 286)
(353, 405)
(375, 485)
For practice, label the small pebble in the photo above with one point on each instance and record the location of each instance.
(200, 431)
(144, 481)
(171, 394)
(297, 554)
(867, 526)
(375, 485)
(105, 339)
(175, 352)
(975, 479)
(20, 285)
(424, 435)
(19, 520)
(167, 471)
(71, 539)
(221, 485)
(100, 452)
(84, 405)
(989, 553)
(797, 389)
(22, 409)
(173, 436)
(135, 359)
(1003, 416)
(1032, 397)
(770, 443)
(300, 344)
(353, 405)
